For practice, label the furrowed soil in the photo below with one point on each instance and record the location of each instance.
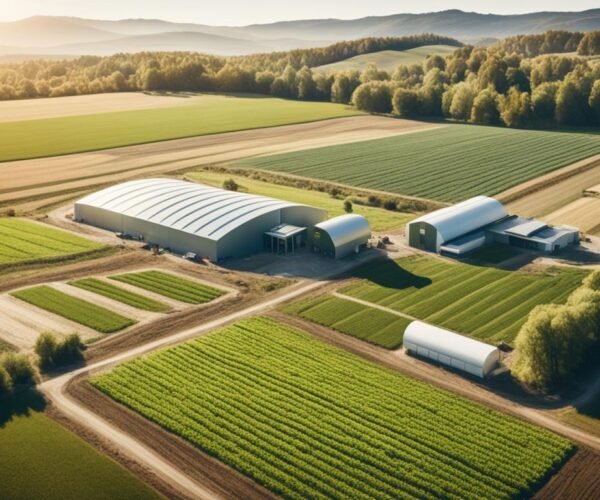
(578, 478)
(199, 466)
(34, 183)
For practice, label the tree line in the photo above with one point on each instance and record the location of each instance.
(559, 339)
(496, 85)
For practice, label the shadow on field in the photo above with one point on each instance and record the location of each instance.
(21, 405)
(389, 274)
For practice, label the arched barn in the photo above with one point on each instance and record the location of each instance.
(189, 217)
(342, 235)
(451, 349)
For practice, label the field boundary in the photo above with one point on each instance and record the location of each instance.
(373, 306)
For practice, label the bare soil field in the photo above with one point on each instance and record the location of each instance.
(53, 107)
(578, 478)
(583, 213)
(33, 183)
(199, 466)
(548, 193)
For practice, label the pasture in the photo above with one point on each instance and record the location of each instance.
(119, 294)
(308, 420)
(25, 241)
(449, 164)
(73, 308)
(169, 285)
(363, 322)
(380, 219)
(388, 60)
(212, 114)
(41, 459)
(483, 302)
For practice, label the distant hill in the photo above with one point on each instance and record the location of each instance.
(71, 35)
(389, 59)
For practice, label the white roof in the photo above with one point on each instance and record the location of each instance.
(462, 218)
(451, 344)
(285, 231)
(527, 228)
(346, 228)
(197, 209)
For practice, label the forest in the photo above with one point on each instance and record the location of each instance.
(526, 81)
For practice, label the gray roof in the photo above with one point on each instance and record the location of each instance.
(527, 228)
(346, 228)
(531, 229)
(197, 209)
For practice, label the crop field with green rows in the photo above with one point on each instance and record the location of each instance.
(373, 325)
(119, 294)
(484, 302)
(22, 240)
(171, 286)
(309, 420)
(78, 310)
(451, 163)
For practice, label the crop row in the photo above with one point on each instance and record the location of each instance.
(119, 294)
(484, 302)
(373, 325)
(73, 308)
(23, 240)
(171, 286)
(308, 420)
(449, 164)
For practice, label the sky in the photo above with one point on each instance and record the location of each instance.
(242, 12)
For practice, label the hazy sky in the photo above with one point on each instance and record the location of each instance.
(240, 12)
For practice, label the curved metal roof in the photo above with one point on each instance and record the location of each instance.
(451, 344)
(464, 217)
(197, 209)
(346, 228)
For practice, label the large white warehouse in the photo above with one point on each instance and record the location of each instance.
(451, 349)
(473, 223)
(189, 217)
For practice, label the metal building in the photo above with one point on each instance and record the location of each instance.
(188, 217)
(451, 349)
(342, 235)
(464, 227)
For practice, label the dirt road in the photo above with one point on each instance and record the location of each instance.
(33, 183)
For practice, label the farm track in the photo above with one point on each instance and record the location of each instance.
(45, 179)
(550, 192)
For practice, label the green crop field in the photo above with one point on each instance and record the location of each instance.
(309, 420)
(210, 115)
(41, 459)
(73, 308)
(451, 163)
(373, 325)
(171, 286)
(120, 294)
(379, 218)
(22, 240)
(389, 59)
(483, 302)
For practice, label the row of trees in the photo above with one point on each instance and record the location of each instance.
(558, 339)
(490, 86)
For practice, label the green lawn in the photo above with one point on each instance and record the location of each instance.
(484, 302)
(309, 420)
(389, 59)
(451, 163)
(73, 308)
(22, 241)
(40, 459)
(373, 325)
(380, 219)
(120, 294)
(210, 115)
(171, 286)
(587, 417)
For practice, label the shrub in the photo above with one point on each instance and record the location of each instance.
(230, 185)
(19, 367)
(374, 200)
(45, 348)
(52, 353)
(390, 204)
(6, 384)
(347, 206)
